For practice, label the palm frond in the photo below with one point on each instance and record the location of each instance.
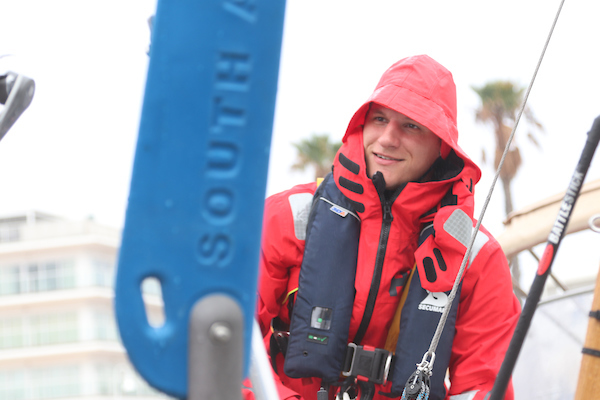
(316, 152)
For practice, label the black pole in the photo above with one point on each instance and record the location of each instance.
(554, 239)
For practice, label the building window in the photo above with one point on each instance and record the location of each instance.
(64, 381)
(53, 329)
(106, 327)
(10, 281)
(55, 382)
(50, 281)
(37, 277)
(50, 329)
(32, 277)
(38, 330)
(123, 380)
(65, 274)
(9, 234)
(12, 385)
(103, 273)
(11, 333)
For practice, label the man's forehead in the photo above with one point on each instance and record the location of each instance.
(378, 108)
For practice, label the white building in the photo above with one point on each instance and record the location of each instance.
(58, 337)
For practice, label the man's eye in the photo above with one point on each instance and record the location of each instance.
(379, 119)
(412, 126)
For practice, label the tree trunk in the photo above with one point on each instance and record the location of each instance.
(508, 208)
(508, 203)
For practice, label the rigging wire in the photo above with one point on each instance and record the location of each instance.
(443, 318)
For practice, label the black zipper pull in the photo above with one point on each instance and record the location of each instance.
(387, 212)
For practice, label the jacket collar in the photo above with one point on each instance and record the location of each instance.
(415, 203)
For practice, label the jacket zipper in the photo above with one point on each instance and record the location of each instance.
(376, 281)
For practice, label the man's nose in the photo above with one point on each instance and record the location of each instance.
(391, 135)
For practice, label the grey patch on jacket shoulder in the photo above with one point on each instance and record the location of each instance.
(300, 204)
(480, 240)
(460, 226)
(465, 396)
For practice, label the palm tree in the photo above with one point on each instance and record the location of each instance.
(316, 152)
(500, 101)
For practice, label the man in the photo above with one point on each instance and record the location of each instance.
(359, 268)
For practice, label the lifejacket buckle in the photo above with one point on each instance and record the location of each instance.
(281, 334)
(367, 363)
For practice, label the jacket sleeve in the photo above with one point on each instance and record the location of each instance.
(281, 254)
(487, 316)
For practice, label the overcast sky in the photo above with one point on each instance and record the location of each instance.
(71, 152)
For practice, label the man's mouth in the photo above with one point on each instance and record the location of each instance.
(386, 158)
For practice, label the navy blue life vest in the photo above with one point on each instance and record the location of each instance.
(323, 307)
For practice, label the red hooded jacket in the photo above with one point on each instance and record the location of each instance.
(423, 90)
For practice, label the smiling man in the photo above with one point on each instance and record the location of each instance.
(354, 272)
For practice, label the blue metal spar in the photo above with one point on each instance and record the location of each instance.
(197, 190)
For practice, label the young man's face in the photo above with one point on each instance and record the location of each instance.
(400, 148)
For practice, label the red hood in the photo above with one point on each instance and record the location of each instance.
(422, 89)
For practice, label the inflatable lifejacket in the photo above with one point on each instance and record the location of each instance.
(318, 344)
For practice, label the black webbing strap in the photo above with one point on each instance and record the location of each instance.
(279, 340)
(595, 314)
(591, 352)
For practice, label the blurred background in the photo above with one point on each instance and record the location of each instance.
(65, 165)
